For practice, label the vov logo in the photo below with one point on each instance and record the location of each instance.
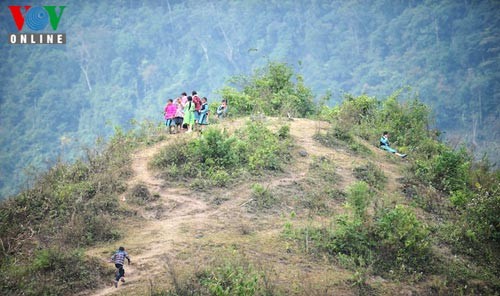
(37, 19)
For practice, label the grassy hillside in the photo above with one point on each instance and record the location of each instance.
(260, 205)
(327, 219)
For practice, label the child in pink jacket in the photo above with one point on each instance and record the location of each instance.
(170, 110)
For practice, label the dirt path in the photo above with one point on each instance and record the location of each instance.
(152, 238)
(188, 216)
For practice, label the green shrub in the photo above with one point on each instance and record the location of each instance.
(450, 170)
(349, 234)
(273, 90)
(459, 198)
(365, 117)
(403, 239)
(217, 158)
(352, 237)
(231, 280)
(358, 198)
(395, 240)
(284, 132)
(239, 103)
(232, 276)
(356, 110)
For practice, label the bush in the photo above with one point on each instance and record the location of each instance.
(358, 198)
(217, 158)
(348, 234)
(395, 240)
(355, 111)
(403, 239)
(231, 276)
(366, 117)
(448, 171)
(274, 90)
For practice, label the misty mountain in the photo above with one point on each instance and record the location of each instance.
(123, 59)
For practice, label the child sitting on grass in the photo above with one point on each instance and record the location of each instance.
(222, 109)
(384, 144)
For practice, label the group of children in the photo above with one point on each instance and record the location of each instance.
(189, 112)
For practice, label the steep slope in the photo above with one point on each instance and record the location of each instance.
(185, 229)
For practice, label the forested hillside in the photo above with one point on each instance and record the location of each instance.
(123, 59)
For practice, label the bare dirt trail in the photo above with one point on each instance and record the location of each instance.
(152, 237)
(190, 216)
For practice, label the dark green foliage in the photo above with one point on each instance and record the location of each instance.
(473, 192)
(217, 157)
(403, 240)
(437, 173)
(271, 91)
(365, 117)
(408, 122)
(359, 198)
(347, 234)
(448, 171)
(478, 205)
(355, 110)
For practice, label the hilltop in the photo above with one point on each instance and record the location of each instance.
(184, 231)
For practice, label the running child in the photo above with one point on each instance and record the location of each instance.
(119, 259)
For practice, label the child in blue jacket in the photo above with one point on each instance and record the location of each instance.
(384, 144)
